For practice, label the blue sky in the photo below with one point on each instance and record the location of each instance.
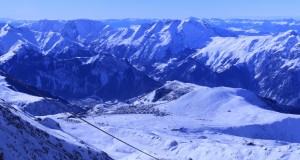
(175, 9)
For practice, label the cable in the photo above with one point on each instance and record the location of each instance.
(9, 106)
(49, 144)
(87, 122)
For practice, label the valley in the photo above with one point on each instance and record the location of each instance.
(175, 89)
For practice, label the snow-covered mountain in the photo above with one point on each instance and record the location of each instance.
(271, 62)
(11, 37)
(208, 52)
(268, 65)
(102, 76)
(127, 77)
(160, 41)
(193, 51)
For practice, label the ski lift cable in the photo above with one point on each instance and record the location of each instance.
(9, 106)
(64, 109)
(48, 143)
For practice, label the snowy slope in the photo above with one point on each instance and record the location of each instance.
(260, 56)
(161, 40)
(22, 137)
(11, 96)
(11, 36)
(244, 49)
(224, 105)
(205, 123)
(267, 65)
(84, 31)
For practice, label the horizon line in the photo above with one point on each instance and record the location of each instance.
(106, 19)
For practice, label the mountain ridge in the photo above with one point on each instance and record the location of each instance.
(222, 49)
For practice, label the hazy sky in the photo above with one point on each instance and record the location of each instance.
(175, 9)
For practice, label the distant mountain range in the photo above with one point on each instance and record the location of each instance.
(121, 59)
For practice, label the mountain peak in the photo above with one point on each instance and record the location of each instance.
(193, 18)
(7, 28)
(292, 32)
(83, 30)
(196, 23)
(286, 35)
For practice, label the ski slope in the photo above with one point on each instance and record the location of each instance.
(206, 123)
